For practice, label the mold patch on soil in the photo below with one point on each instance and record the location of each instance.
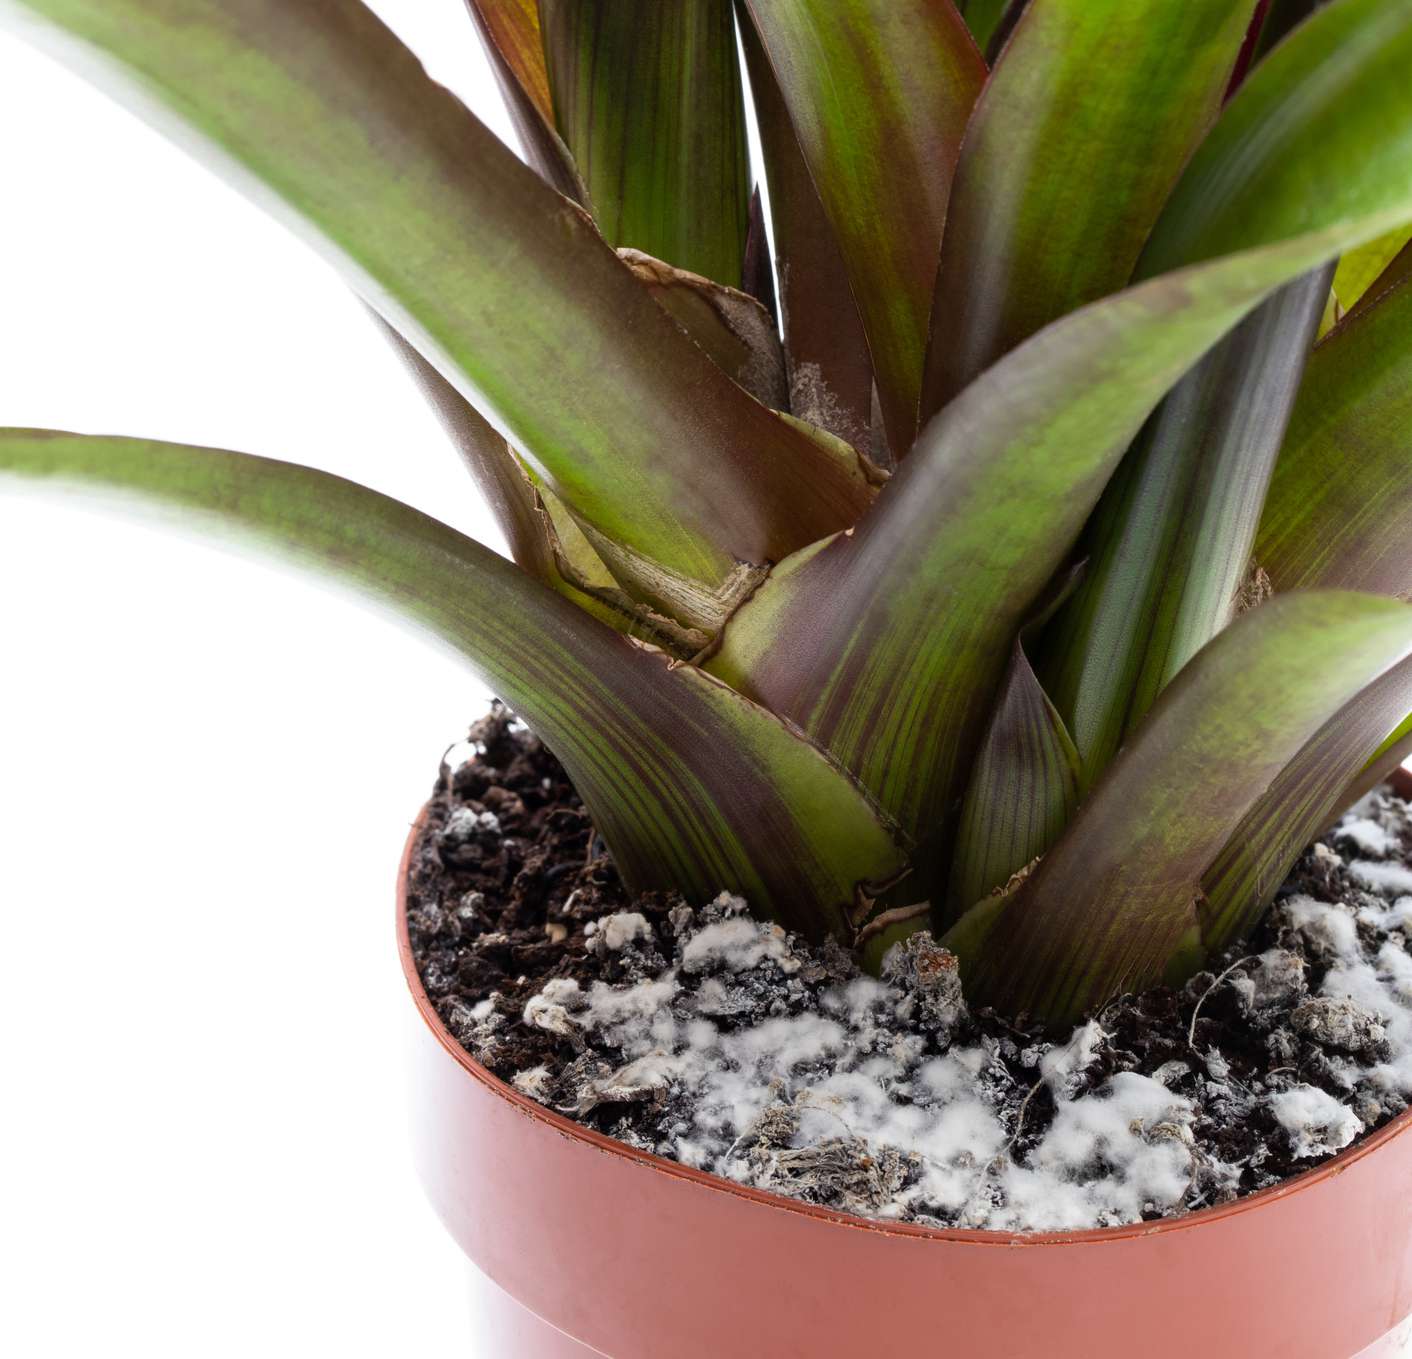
(735, 1047)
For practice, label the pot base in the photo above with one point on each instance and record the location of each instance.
(1396, 1344)
(500, 1326)
(508, 1331)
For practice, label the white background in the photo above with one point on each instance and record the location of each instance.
(208, 770)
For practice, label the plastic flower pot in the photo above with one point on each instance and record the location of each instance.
(601, 1249)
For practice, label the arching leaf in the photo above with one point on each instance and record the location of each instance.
(1169, 544)
(1076, 141)
(1108, 906)
(1329, 102)
(540, 543)
(693, 787)
(1318, 783)
(497, 473)
(1339, 512)
(498, 281)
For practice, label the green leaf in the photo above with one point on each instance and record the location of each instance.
(1281, 18)
(1397, 269)
(1306, 795)
(826, 351)
(543, 539)
(1382, 768)
(693, 787)
(1339, 512)
(879, 92)
(1023, 790)
(497, 473)
(501, 283)
(1076, 141)
(1360, 269)
(888, 644)
(983, 19)
(1329, 104)
(648, 98)
(509, 32)
(1024, 785)
(1169, 544)
(1112, 901)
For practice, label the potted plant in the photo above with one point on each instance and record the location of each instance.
(981, 572)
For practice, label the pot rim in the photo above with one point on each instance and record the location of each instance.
(610, 1146)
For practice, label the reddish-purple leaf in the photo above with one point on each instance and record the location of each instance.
(879, 92)
(694, 788)
(1075, 142)
(1107, 907)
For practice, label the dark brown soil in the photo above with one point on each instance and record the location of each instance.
(509, 871)
(501, 911)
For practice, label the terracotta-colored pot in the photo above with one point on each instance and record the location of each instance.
(614, 1252)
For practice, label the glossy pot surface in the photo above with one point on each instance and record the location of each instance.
(612, 1251)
